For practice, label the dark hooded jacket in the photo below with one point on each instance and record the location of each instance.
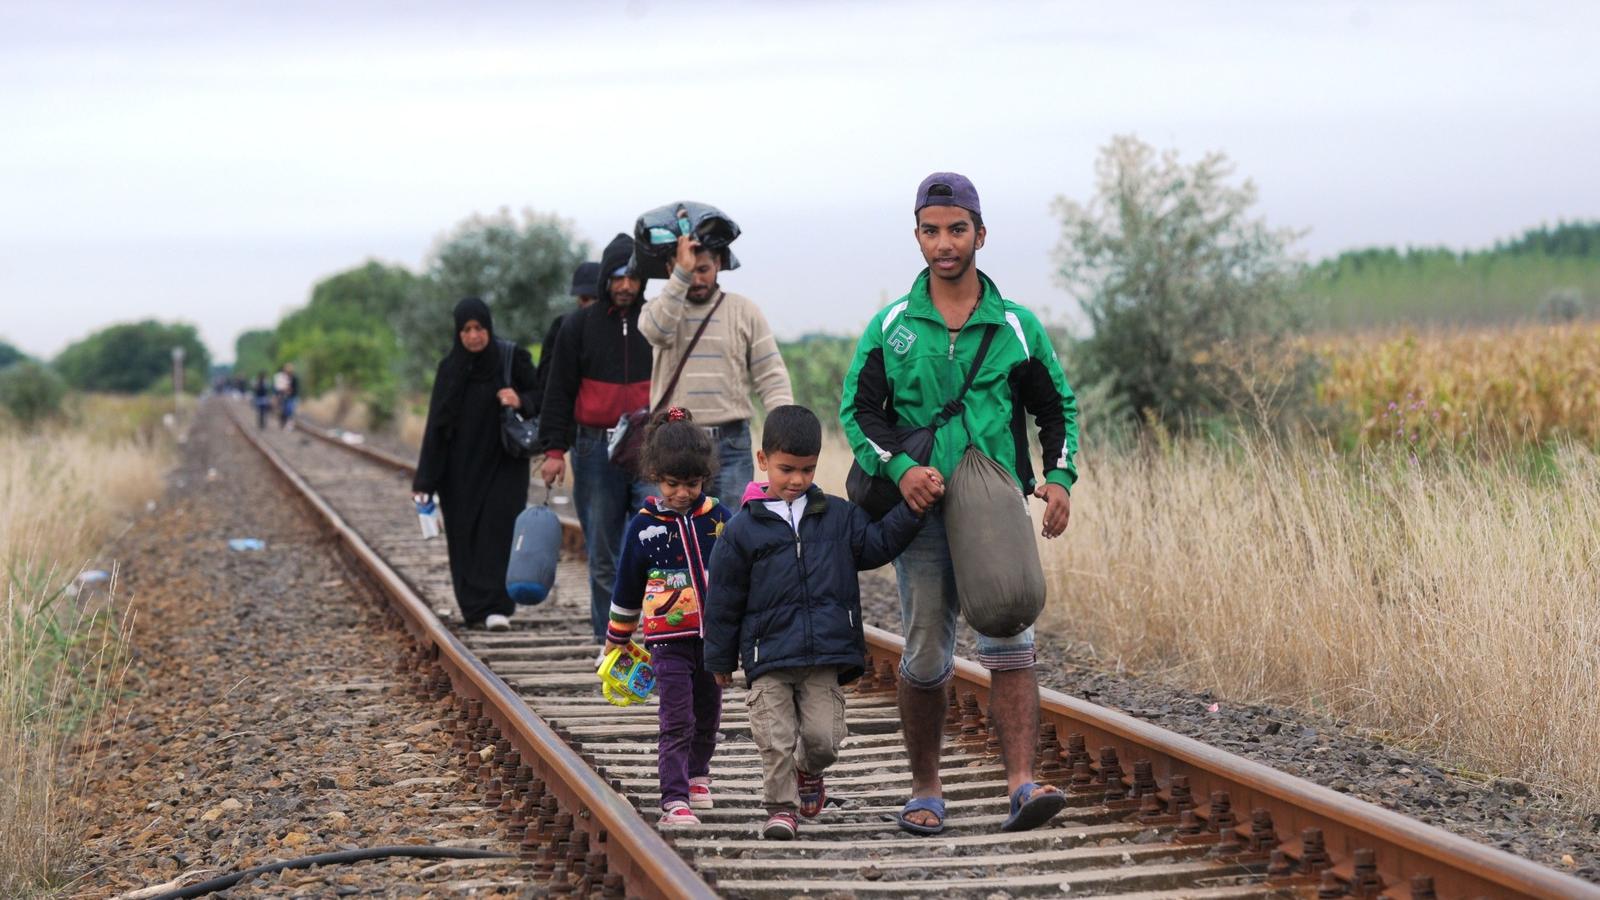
(481, 488)
(785, 600)
(601, 367)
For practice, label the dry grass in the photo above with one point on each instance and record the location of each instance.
(337, 409)
(344, 409)
(1447, 602)
(1450, 388)
(65, 492)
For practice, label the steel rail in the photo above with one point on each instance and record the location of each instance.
(1403, 847)
(331, 435)
(648, 865)
(571, 531)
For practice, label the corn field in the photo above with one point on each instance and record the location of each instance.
(1453, 389)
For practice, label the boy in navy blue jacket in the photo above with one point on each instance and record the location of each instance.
(785, 603)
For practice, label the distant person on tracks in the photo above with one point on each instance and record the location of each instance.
(286, 385)
(735, 356)
(663, 576)
(481, 487)
(600, 370)
(261, 398)
(792, 617)
(909, 363)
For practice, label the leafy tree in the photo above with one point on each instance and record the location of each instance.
(133, 357)
(1575, 239)
(342, 358)
(30, 391)
(255, 352)
(10, 354)
(373, 289)
(521, 268)
(342, 337)
(817, 367)
(1188, 295)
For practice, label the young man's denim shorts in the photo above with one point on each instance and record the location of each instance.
(928, 610)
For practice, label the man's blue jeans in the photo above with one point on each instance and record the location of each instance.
(606, 497)
(929, 606)
(735, 469)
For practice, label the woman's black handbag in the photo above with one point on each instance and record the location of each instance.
(519, 436)
(878, 495)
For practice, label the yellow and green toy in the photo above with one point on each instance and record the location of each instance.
(626, 676)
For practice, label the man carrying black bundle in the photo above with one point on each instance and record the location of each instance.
(954, 334)
(585, 288)
(735, 355)
(600, 370)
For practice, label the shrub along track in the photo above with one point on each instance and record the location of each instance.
(1152, 813)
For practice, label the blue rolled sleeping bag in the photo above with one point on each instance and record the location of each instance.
(535, 550)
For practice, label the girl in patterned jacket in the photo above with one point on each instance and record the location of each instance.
(662, 577)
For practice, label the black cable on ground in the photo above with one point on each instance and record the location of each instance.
(420, 851)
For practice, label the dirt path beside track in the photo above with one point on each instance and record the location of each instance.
(262, 719)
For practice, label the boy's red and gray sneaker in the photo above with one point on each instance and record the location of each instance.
(813, 794)
(678, 813)
(781, 826)
(700, 792)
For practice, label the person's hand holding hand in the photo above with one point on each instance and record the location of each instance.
(1057, 508)
(922, 487)
(553, 470)
(724, 679)
(508, 397)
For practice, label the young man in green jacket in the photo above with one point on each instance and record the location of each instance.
(913, 359)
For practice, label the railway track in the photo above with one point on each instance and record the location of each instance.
(1152, 814)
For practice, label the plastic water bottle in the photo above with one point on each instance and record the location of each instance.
(428, 518)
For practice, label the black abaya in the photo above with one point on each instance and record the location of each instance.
(481, 488)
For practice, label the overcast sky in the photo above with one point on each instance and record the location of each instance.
(210, 161)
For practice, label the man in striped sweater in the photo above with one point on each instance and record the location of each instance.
(736, 356)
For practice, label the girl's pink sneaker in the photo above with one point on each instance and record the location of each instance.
(678, 814)
(700, 792)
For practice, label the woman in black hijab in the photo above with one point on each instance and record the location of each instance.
(481, 488)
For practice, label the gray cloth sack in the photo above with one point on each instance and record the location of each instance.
(535, 550)
(998, 574)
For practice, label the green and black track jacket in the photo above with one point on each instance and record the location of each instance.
(908, 365)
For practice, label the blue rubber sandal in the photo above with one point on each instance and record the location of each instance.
(1030, 808)
(934, 805)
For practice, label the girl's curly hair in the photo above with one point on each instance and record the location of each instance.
(675, 447)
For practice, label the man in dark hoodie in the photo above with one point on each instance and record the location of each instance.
(599, 372)
(585, 290)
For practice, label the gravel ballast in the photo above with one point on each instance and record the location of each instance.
(262, 718)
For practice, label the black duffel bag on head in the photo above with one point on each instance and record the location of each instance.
(518, 435)
(655, 235)
(876, 494)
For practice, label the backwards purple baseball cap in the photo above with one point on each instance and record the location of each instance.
(947, 189)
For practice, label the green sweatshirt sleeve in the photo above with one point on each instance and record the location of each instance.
(1054, 407)
(861, 408)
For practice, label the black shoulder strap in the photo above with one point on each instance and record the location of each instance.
(507, 348)
(957, 404)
